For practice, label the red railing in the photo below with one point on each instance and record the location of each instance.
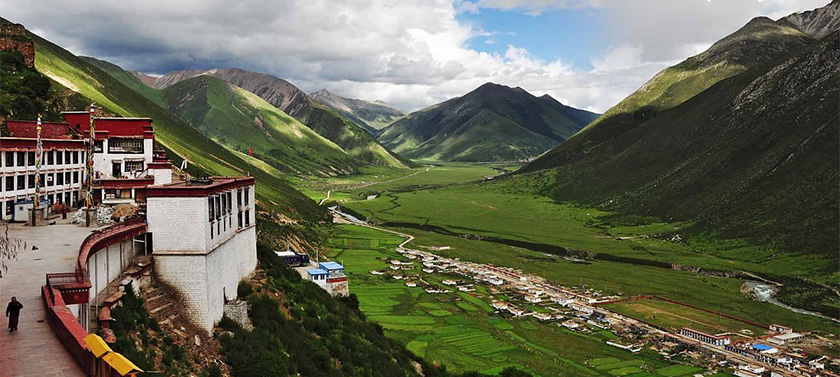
(108, 236)
(67, 329)
(74, 288)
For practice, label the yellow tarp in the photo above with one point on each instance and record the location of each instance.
(122, 365)
(96, 345)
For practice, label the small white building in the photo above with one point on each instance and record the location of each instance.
(204, 240)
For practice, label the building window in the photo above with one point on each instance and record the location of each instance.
(131, 166)
(10, 159)
(75, 177)
(67, 157)
(59, 158)
(97, 146)
(217, 203)
(43, 178)
(31, 180)
(248, 218)
(59, 179)
(21, 158)
(31, 158)
(50, 157)
(76, 157)
(211, 211)
(247, 198)
(10, 204)
(66, 178)
(125, 145)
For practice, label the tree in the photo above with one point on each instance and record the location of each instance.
(9, 248)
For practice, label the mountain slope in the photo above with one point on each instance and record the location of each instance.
(753, 156)
(492, 123)
(283, 95)
(761, 41)
(181, 139)
(240, 120)
(818, 22)
(372, 116)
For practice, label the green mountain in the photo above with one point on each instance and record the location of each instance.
(760, 41)
(238, 119)
(491, 123)
(743, 144)
(372, 116)
(280, 93)
(178, 137)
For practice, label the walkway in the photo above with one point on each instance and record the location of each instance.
(34, 350)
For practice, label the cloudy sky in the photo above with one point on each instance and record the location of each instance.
(411, 53)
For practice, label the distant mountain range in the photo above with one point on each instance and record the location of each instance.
(491, 123)
(740, 139)
(372, 116)
(286, 97)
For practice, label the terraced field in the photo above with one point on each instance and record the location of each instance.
(461, 330)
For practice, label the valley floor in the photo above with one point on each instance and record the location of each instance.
(505, 224)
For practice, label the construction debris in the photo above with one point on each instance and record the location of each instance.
(102, 216)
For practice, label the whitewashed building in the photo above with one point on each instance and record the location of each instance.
(204, 240)
(62, 166)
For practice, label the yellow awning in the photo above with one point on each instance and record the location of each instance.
(122, 365)
(96, 345)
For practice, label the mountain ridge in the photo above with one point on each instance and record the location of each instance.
(290, 99)
(372, 116)
(491, 123)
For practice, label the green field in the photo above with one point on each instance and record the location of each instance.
(673, 316)
(461, 330)
(505, 211)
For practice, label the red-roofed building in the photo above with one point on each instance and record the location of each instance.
(62, 167)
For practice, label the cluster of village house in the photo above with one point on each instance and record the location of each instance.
(200, 233)
(577, 309)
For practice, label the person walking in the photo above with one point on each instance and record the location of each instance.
(13, 312)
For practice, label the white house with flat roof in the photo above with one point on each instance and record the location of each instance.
(204, 240)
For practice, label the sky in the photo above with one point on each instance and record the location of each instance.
(588, 54)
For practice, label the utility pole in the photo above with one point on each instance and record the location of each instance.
(39, 150)
(91, 141)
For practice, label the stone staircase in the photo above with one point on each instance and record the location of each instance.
(162, 303)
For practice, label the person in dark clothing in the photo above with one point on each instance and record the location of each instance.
(13, 312)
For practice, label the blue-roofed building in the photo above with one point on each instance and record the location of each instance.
(333, 268)
(335, 281)
(763, 348)
(318, 276)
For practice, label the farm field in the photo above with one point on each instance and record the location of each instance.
(501, 209)
(461, 330)
(673, 316)
(718, 293)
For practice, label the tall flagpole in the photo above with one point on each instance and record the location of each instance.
(39, 151)
(91, 141)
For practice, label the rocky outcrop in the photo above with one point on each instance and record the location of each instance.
(13, 37)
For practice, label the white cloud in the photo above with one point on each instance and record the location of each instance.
(411, 53)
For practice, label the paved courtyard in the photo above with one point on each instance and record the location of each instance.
(34, 350)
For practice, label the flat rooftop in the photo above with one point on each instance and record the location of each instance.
(198, 187)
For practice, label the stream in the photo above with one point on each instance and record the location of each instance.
(766, 292)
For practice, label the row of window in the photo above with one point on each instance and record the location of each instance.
(49, 158)
(23, 182)
(220, 210)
